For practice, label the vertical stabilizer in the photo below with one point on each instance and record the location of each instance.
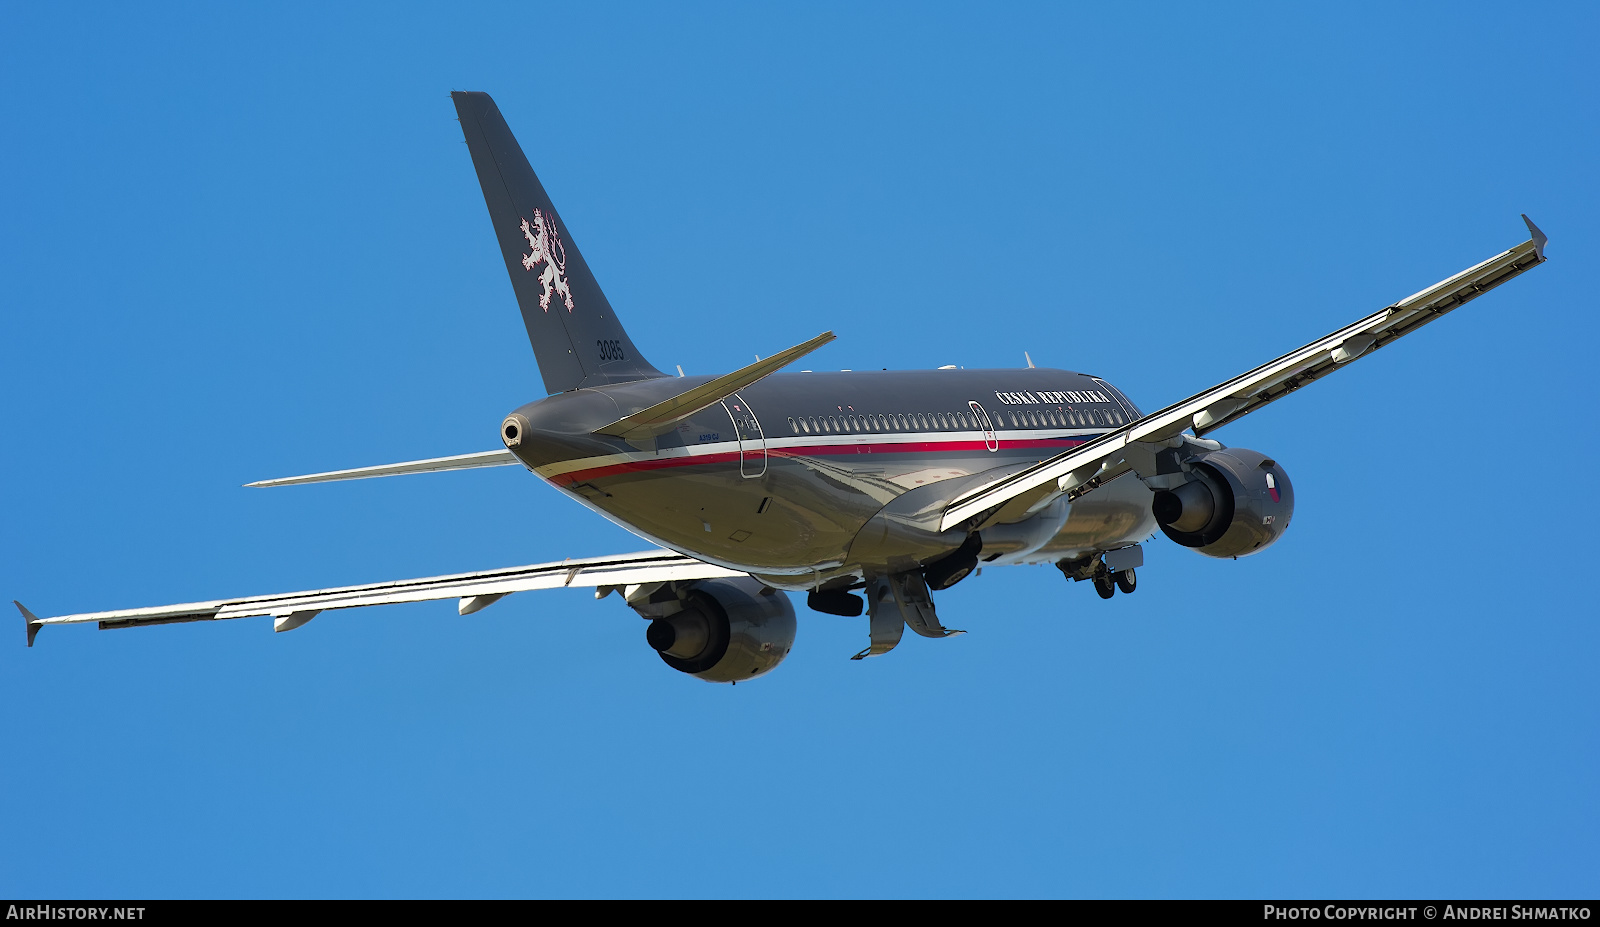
(576, 337)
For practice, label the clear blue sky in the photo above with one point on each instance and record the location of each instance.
(246, 244)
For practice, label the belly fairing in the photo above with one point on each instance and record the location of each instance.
(1115, 515)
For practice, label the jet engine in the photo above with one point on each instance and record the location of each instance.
(724, 630)
(1233, 503)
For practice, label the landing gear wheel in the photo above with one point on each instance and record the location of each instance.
(1104, 584)
(1126, 580)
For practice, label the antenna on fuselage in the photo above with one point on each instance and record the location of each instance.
(1028, 359)
(680, 370)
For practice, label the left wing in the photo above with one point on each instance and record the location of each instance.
(1115, 453)
(290, 610)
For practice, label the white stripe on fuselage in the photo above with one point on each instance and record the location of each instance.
(558, 468)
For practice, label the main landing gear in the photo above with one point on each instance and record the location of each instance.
(1105, 580)
(1107, 583)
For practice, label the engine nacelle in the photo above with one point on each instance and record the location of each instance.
(1235, 503)
(727, 630)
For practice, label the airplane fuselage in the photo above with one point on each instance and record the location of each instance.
(805, 477)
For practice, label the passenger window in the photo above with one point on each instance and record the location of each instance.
(792, 426)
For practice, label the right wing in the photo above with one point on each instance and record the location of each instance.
(290, 610)
(1116, 452)
(500, 458)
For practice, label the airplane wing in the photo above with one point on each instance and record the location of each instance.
(479, 590)
(1083, 468)
(500, 458)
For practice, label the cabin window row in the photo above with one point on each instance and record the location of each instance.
(954, 421)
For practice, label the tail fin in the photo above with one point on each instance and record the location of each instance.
(576, 337)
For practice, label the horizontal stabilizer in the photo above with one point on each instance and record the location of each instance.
(501, 458)
(664, 416)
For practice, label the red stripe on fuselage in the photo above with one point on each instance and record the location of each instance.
(818, 450)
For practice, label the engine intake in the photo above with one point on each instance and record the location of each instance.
(1236, 502)
(727, 630)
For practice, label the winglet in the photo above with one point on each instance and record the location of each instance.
(1539, 239)
(32, 620)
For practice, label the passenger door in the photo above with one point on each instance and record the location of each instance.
(990, 439)
(752, 440)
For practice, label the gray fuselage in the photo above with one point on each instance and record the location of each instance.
(806, 478)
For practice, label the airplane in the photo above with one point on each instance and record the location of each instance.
(868, 491)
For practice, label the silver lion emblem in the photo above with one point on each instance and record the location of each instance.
(547, 250)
